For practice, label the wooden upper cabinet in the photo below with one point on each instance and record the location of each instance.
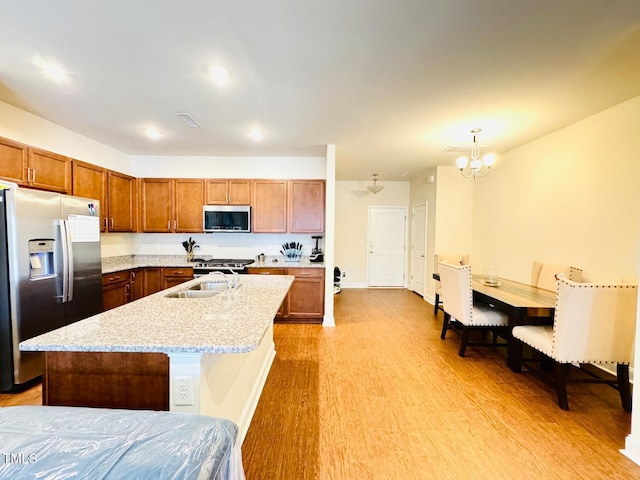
(13, 161)
(269, 206)
(306, 206)
(90, 181)
(35, 168)
(121, 202)
(189, 199)
(48, 171)
(171, 205)
(228, 192)
(156, 204)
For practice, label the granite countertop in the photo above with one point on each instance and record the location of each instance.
(278, 261)
(127, 262)
(233, 321)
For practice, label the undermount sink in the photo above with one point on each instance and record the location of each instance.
(193, 294)
(210, 287)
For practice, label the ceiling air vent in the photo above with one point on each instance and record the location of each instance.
(188, 119)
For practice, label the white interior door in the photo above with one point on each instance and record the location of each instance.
(418, 247)
(387, 234)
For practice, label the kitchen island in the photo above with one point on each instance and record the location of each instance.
(205, 355)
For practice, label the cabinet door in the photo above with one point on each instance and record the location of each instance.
(90, 181)
(49, 171)
(136, 282)
(306, 206)
(13, 161)
(189, 199)
(239, 192)
(269, 204)
(121, 202)
(152, 281)
(305, 300)
(156, 201)
(216, 192)
(271, 271)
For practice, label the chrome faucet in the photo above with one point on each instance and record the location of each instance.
(233, 284)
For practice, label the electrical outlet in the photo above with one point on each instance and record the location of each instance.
(183, 390)
(344, 274)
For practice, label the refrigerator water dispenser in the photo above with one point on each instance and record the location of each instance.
(41, 259)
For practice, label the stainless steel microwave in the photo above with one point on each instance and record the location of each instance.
(227, 218)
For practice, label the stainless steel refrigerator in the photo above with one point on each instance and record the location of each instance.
(50, 273)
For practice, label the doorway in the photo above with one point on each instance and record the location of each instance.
(386, 246)
(418, 248)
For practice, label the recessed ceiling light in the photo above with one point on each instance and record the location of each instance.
(153, 132)
(220, 75)
(54, 72)
(256, 134)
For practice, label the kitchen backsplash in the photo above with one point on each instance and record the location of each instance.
(217, 245)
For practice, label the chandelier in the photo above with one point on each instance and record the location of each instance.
(375, 188)
(477, 167)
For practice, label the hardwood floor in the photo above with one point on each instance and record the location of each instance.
(381, 396)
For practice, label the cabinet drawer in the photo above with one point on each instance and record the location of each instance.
(115, 277)
(306, 272)
(177, 272)
(266, 271)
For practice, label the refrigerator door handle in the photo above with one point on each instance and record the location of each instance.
(67, 262)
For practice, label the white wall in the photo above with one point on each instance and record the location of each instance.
(570, 197)
(229, 167)
(352, 202)
(449, 198)
(35, 131)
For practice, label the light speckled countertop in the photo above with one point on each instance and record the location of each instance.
(126, 262)
(233, 321)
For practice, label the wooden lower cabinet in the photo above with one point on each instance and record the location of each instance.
(175, 276)
(305, 301)
(136, 283)
(116, 289)
(126, 286)
(152, 280)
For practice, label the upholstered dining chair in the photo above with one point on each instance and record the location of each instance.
(452, 258)
(459, 307)
(543, 275)
(592, 324)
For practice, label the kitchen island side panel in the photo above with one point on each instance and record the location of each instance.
(131, 380)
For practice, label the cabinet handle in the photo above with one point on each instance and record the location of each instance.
(228, 197)
(33, 179)
(175, 224)
(127, 290)
(133, 277)
(106, 223)
(168, 224)
(265, 273)
(304, 273)
(113, 279)
(111, 222)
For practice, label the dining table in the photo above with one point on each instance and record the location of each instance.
(521, 302)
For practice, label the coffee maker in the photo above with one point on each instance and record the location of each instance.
(316, 253)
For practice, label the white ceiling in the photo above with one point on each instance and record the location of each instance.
(391, 83)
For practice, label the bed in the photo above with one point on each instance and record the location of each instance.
(98, 443)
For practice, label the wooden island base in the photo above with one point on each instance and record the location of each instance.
(136, 381)
(224, 385)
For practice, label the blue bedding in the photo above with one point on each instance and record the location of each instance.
(94, 443)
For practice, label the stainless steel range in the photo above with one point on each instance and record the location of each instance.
(226, 265)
